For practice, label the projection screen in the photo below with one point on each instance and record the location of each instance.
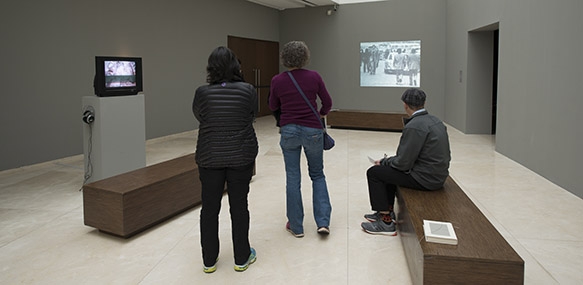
(390, 64)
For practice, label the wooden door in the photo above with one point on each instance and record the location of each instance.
(259, 63)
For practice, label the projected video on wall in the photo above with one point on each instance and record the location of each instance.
(390, 64)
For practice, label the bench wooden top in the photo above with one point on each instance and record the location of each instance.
(368, 112)
(136, 179)
(477, 238)
(366, 120)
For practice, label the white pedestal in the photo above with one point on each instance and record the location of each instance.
(115, 142)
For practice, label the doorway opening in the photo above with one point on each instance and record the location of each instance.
(495, 82)
(259, 63)
(482, 80)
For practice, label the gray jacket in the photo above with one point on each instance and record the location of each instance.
(423, 151)
(226, 137)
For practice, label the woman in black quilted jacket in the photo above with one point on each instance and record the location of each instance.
(225, 153)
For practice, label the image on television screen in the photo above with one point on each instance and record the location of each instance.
(390, 64)
(120, 74)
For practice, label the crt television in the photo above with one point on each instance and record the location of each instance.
(117, 76)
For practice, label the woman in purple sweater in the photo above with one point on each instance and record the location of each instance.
(300, 128)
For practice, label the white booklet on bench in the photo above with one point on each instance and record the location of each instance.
(439, 232)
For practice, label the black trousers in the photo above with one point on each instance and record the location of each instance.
(382, 186)
(213, 182)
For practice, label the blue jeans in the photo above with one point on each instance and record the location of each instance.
(293, 138)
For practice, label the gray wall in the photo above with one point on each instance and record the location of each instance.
(47, 55)
(539, 73)
(539, 69)
(334, 42)
(47, 66)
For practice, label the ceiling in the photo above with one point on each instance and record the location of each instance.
(287, 4)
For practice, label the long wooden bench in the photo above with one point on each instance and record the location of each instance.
(482, 255)
(126, 204)
(365, 120)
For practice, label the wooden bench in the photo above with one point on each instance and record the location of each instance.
(482, 255)
(365, 120)
(126, 204)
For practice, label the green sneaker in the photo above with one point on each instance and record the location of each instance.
(211, 269)
(252, 258)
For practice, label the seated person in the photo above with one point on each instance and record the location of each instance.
(421, 162)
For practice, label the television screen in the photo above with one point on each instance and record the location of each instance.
(390, 64)
(117, 76)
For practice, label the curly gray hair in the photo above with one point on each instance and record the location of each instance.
(295, 54)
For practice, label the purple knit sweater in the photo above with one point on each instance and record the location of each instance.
(285, 96)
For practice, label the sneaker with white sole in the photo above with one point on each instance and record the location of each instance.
(379, 228)
(376, 216)
(324, 230)
(252, 258)
(288, 228)
(210, 269)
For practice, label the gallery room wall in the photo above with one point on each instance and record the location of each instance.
(538, 71)
(47, 53)
(334, 41)
(538, 82)
(48, 50)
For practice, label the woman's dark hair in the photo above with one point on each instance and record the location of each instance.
(223, 66)
(295, 54)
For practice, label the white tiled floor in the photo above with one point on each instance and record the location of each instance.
(44, 240)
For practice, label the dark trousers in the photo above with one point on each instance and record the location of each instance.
(213, 182)
(382, 186)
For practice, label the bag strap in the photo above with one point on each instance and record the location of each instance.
(306, 99)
